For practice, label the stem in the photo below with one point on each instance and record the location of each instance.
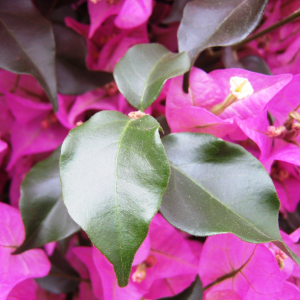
(284, 21)
(62, 275)
(186, 79)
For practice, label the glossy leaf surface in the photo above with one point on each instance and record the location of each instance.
(73, 77)
(114, 171)
(142, 72)
(218, 187)
(193, 292)
(43, 212)
(209, 23)
(28, 44)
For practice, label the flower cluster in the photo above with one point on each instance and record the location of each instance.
(259, 112)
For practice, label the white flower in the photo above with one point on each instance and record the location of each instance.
(240, 87)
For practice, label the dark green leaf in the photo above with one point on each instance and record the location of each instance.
(162, 120)
(27, 44)
(255, 64)
(73, 77)
(46, 6)
(292, 219)
(44, 214)
(217, 187)
(143, 70)
(230, 59)
(193, 292)
(62, 277)
(209, 23)
(176, 12)
(114, 171)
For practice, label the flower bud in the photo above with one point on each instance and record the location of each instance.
(140, 273)
(280, 258)
(273, 131)
(135, 115)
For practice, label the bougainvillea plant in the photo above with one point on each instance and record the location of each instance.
(150, 149)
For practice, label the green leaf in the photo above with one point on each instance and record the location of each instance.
(209, 23)
(218, 187)
(27, 44)
(114, 171)
(143, 70)
(193, 292)
(176, 12)
(44, 214)
(46, 7)
(255, 64)
(230, 58)
(73, 77)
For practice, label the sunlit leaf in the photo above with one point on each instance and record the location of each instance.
(217, 187)
(114, 171)
(143, 70)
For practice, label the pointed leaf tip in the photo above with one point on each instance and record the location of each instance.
(114, 171)
(217, 187)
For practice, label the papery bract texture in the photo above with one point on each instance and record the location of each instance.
(281, 140)
(130, 13)
(30, 290)
(159, 268)
(16, 268)
(251, 270)
(192, 111)
(279, 47)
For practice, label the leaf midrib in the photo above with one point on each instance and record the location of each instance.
(222, 204)
(217, 28)
(148, 77)
(115, 197)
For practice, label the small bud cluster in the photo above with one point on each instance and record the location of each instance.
(135, 115)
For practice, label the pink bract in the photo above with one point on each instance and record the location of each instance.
(30, 290)
(16, 268)
(134, 13)
(255, 272)
(165, 270)
(285, 146)
(100, 11)
(280, 47)
(109, 43)
(35, 130)
(130, 13)
(222, 295)
(191, 112)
